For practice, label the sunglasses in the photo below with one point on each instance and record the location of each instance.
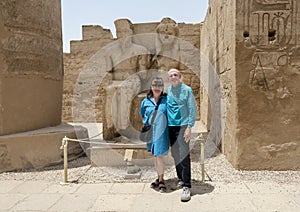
(157, 85)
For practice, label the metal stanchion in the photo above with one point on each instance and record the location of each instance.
(64, 146)
(202, 162)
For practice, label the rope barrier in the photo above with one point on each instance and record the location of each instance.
(64, 147)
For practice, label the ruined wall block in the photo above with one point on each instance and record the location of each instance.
(90, 32)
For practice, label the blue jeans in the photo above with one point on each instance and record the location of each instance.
(181, 154)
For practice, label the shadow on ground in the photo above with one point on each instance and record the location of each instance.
(198, 187)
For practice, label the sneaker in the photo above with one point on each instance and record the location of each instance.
(177, 185)
(186, 194)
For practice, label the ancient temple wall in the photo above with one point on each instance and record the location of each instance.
(218, 107)
(31, 66)
(268, 88)
(94, 38)
(254, 47)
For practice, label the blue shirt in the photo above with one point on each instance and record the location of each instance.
(181, 106)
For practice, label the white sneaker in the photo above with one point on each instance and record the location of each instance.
(186, 194)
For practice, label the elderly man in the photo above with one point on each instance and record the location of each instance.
(181, 110)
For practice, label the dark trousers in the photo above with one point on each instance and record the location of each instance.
(181, 154)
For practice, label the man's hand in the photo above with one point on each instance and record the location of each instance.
(187, 134)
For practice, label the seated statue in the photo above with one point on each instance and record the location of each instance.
(123, 62)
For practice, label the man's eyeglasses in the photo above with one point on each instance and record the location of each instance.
(173, 75)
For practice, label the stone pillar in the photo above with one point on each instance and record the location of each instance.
(31, 79)
(31, 66)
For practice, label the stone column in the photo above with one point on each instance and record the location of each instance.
(31, 79)
(31, 66)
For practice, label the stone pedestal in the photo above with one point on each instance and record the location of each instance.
(38, 148)
(113, 155)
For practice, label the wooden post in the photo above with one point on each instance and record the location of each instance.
(202, 162)
(66, 162)
(64, 147)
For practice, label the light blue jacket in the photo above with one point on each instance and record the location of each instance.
(181, 106)
(159, 144)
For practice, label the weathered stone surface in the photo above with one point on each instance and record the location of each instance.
(31, 71)
(90, 32)
(38, 148)
(256, 59)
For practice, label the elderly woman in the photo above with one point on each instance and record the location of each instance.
(159, 143)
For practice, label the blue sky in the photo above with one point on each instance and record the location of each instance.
(76, 13)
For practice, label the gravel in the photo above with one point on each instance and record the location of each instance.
(217, 169)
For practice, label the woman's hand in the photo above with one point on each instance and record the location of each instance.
(187, 134)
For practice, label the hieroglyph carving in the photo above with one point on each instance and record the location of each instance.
(271, 27)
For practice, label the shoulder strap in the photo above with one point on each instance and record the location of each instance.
(156, 108)
(158, 102)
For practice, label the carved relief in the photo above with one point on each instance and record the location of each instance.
(270, 26)
(294, 58)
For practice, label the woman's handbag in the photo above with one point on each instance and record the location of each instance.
(146, 131)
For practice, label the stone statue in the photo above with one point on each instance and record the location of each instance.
(167, 46)
(124, 61)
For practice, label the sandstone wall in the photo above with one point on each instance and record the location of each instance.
(268, 88)
(31, 71)
(218, 75)
(94, 38)
(254, 48)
